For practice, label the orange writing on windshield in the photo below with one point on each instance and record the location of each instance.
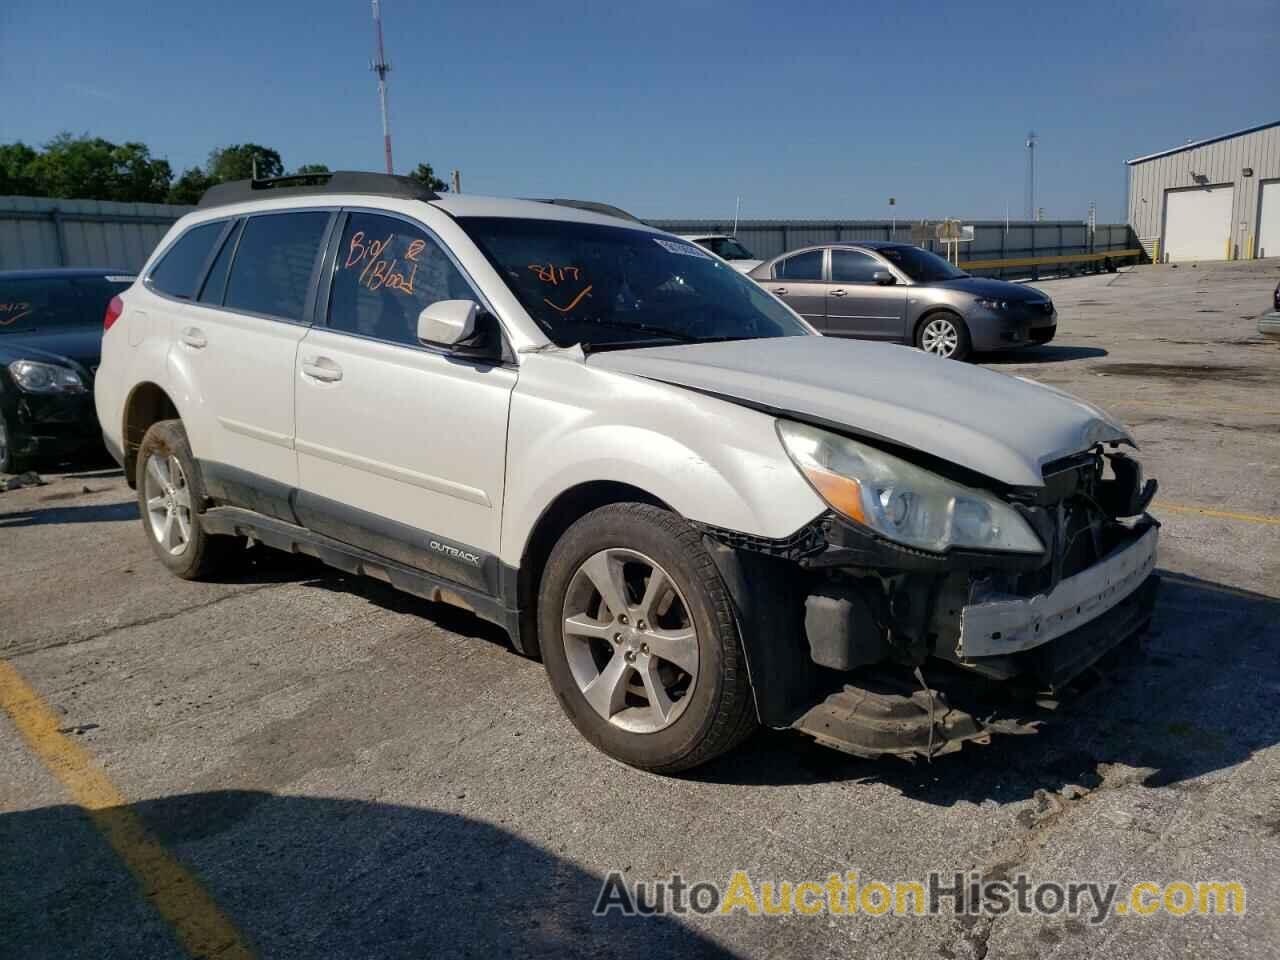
(380, 271)
(553, 275)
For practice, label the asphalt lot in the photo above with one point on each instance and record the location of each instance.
(344, 771)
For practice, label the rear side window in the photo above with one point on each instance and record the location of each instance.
(803, 266)
(273, 263)
(387, 271)
(850, 266)
(179, 270)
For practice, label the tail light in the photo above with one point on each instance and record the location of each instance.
(114, 309)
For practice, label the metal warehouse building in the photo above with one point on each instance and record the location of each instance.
(1215, 199)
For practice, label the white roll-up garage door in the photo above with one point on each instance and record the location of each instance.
(1197, 223)
(1269, 221)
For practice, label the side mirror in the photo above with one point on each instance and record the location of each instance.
(447, 323)
(884, 278)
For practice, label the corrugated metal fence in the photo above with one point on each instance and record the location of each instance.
(42, 232)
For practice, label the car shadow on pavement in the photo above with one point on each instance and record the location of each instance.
(91, 513)
(1048, 353)
(321, 878)
(1197, 696)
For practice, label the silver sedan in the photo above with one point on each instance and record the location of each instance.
(873, 290)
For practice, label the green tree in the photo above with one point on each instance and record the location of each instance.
(189, 187)
(427, 176)
(310, 168)
(17, 173)
(236, 162)
(97, 169)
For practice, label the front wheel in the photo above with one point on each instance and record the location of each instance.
(944, 335)
(639, 640)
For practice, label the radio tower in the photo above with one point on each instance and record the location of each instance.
(382, 68)
(1031, 172)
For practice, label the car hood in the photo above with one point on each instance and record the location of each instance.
(81, 344)
(1002, 427)
(993, 289)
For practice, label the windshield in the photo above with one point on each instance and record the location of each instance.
(726, 247)
(599, 285)
(45, 303)
(920, 265)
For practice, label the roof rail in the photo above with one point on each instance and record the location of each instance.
(304, 184)
(595, 206)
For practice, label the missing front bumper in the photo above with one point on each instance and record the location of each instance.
(887, 712)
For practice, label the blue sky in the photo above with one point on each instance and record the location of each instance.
(805, 109)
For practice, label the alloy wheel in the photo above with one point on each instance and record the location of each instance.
(168, 498)
(630, 640)
(940, 337)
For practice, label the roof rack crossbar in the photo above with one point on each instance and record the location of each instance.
(303, 184)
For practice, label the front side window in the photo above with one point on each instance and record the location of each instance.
(599, 285)
(179, 270)
(803, 266)
(273, 263)
(29, 304)
(852, 266)
(387, 271)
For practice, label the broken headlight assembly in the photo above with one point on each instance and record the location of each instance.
(900, 501)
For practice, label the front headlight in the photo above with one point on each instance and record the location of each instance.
(45, 377)
(899, 500)
(992, 304)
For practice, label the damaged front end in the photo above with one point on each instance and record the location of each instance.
(875, 648)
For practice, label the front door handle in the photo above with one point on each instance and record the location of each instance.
(194, 338)
(780, 291)
(322, 368)
(838, 293)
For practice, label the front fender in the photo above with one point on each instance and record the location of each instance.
(710, 460)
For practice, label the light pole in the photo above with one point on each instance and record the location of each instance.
(893, 219)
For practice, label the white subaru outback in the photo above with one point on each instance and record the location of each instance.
(699, 513)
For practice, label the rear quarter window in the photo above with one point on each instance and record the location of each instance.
(179, 270)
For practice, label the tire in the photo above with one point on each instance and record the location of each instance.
(930, 331)
(170, 485)
(700, 713)
(10, 462)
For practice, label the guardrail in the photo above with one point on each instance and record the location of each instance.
(1049, 261)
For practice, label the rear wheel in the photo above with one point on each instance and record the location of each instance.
(170, 498)
(639, 640)
(944, 335)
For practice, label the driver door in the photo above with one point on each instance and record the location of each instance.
(401, 446)
(859, 306)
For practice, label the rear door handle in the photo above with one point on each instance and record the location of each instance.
(780, 291)
(322, 368)
(194, 338)
(839, 293)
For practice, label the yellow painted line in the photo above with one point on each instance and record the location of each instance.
(1224, 514)
(1046, 261)
(174, 891)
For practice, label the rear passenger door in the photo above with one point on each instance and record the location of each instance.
(234, 347)
(798, 280)
(401, 446)
(858, 306)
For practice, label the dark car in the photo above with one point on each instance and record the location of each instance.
(50, 345)
(875, 290)
(1269, 324)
